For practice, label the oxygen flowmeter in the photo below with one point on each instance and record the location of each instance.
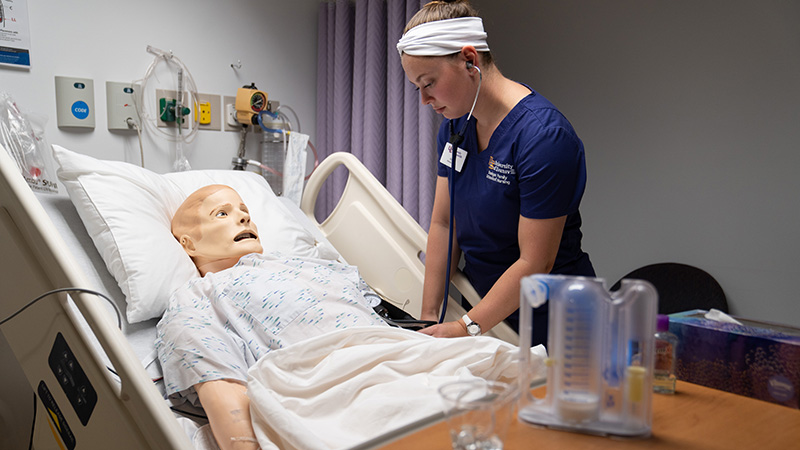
(249, 103)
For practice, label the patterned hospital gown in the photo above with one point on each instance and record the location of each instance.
(217, 326)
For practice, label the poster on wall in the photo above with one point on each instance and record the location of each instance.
(15, 38)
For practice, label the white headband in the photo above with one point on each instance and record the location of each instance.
(444, 37)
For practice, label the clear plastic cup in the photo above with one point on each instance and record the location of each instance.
(478, 412)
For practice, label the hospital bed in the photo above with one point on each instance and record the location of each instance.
(93, 376)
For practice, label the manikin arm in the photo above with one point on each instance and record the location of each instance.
(228, 409)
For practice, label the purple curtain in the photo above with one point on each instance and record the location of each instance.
(366, 106)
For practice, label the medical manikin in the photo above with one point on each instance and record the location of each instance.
(247, 303)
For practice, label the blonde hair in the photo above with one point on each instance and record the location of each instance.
(186, 220)
(442, 10)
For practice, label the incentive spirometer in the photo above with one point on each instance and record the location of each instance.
(600, 355)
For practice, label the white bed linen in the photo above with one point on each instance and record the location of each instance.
(347, 387)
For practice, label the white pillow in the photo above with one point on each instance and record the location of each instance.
(127, 211)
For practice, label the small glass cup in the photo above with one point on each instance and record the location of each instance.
(478, 412)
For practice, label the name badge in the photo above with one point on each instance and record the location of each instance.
(447, 157)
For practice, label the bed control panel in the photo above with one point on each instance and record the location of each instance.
(72, 379)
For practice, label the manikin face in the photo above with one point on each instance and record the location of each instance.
(443, 82)
(224, 231)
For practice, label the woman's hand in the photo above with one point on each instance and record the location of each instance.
(446, 329)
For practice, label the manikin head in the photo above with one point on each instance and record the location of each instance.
(213, 226)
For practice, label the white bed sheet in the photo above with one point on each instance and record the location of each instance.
(353, 387)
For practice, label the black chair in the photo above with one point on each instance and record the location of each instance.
(681, 287)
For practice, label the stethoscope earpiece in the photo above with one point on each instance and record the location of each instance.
(471, 65)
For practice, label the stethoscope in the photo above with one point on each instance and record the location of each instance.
(454, 142)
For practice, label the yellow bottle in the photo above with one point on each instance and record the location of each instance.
(664, 365)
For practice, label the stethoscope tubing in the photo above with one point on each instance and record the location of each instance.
(455, 141)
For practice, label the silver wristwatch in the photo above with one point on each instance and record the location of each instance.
(473, 328)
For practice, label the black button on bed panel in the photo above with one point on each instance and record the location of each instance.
(73, 380)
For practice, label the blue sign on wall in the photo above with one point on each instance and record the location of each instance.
(80, 110)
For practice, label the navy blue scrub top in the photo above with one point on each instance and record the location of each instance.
(533, 166)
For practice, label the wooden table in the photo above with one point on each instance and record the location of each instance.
(696, 417)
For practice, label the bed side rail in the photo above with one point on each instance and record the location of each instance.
(372, 231)
(126, 415)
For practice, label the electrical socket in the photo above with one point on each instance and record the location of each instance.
(119, 105)
(208, 112)
(170, 95)
(229, 114)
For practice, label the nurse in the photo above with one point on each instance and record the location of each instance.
(520, 173)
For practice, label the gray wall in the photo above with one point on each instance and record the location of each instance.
(690, 114)
(106, 40)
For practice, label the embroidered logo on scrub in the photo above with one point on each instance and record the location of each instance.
(500, 172)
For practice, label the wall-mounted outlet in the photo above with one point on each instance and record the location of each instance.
(207, 112)
(166, 98)
(119, 105)
(229, 113)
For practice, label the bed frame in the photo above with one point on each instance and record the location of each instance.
(93, 409)
(57, 357)
(388, 242)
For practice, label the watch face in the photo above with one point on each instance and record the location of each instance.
(474, 329)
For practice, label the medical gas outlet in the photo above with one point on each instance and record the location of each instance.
(168, 113)
(167, 103)
(204, 113)
(207, 112)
